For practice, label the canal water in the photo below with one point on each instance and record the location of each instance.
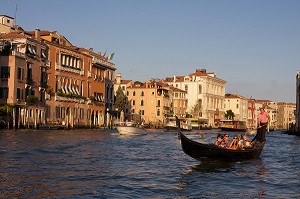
(103, 164)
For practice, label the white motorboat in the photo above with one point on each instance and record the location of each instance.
(130, 128)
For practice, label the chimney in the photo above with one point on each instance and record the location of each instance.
(37, 34)
(91, 49)
(118, 78)
(174, 78)
(203, 70)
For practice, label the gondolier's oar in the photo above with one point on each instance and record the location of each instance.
(253, 131)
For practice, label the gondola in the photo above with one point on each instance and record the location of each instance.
(199, 150)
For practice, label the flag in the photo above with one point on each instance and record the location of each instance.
(111, 56)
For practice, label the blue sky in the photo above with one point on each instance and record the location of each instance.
(254, 45)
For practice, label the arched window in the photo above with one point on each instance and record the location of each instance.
(142, 102)
(200, 89)
(133, 93)
(142, 93)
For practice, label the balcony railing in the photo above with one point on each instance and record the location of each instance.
(102, 62)
(68, 69)
(69, 99)
(18, 54)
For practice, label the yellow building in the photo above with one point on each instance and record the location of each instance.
(151, 100)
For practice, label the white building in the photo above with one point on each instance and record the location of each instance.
(205, 88)
(239, 106)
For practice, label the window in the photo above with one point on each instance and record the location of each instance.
(186, 87)
(142, 102)
(158, 112)
(81, 113)
(158, 103)
(75, 113)
(47, 111)
(30, 112)
(57, 112)
(133, 102)
(5, 72)
(127, 93)
(29, 72)
(43, 53)
(133, 93)
(20, 73)
(142, 93)
(3, 92)
(123, 88)
(62, 112)
(19, 93)
(142, 112)
(133, 111)
(200, 89)
(237, 105)
(88, 114)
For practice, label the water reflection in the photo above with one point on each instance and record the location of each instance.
(212, 165)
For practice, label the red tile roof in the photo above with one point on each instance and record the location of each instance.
(12, 35)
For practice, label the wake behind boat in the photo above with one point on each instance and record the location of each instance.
(130, 128)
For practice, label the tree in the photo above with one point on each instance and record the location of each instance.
(121, 100)
(197, 109)
(229, 114)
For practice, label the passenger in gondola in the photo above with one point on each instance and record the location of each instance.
(244, 142)
(225, 141)
(234, 143)
(219, 139)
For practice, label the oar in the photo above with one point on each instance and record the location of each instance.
(253, 131)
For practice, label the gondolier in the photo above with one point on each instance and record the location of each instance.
(263, 119)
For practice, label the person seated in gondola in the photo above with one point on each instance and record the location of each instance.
(244, 142)
(234, 143)
(225, 141)
(219, 139)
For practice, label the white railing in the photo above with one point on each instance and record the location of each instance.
(69, 99)
(67, 69)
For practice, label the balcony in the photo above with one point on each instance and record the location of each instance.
(69, 99)
(18, 54)
(102, 62)
(69, 69)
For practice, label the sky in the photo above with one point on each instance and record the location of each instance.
(254, 45)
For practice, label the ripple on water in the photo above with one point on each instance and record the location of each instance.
(93, 164)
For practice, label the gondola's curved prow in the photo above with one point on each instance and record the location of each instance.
(199, 150)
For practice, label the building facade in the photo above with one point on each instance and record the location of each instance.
(204, 88)
(239, 106)
(48, 81)
(24, 63)
(151, 101)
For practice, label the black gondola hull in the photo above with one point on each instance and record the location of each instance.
(198, 150)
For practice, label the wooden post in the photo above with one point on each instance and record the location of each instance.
(14, 117)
